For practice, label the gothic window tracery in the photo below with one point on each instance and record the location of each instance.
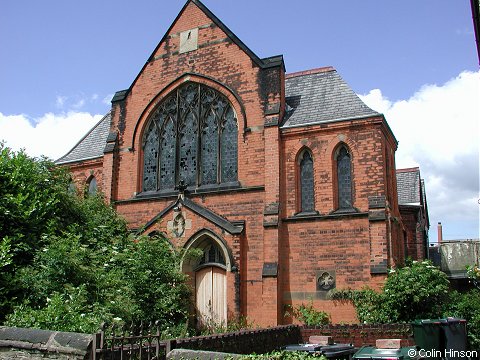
(344, 179)
(212, 254)
(191, 136)
(307, 197)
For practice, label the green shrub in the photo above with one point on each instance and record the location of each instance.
(68, 311)
(130, 280)
(69, 263)
(417, 290)
(307, 314)
(466, 306)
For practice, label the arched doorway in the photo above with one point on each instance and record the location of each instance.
(209, 275)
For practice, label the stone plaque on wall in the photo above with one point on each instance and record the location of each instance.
(325, 280)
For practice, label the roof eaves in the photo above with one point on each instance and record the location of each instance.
(313, 123)
(58, 161)
(120, 95)
(212, 217)
(274, 61)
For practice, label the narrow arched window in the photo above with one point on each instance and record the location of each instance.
(192, 136)
(344, 179)
(150, 148)
(92, 186)
(307, 196)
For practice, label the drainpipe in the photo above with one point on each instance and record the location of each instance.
(389, 250)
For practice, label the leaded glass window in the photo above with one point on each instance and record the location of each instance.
(188, 149)
(306, 183)
(92, 186)
(167, 156)
(344, 178)
(209, 149)
(150, 159)
(192, 135)
(229, 147)
(212, 254)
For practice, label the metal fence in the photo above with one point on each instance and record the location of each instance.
(142, 342)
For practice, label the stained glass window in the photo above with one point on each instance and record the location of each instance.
(92, 186)
(150, 159)
(306, 183)
(209, 149)
(191, 136)
(188, 149)
(167, 155)
(344, 178)
(229, 147)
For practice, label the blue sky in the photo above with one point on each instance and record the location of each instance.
(414, 60)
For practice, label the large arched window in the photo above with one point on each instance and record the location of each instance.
(344, 178)
(92, 186)
(306, 183)
(191, 136)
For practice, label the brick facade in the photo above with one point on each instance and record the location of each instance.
(275, 254)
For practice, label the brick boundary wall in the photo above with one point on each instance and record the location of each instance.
(361, 334)
(244, 342)
(32, 344)
(43, 344)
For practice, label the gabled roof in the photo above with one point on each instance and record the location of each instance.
(91, 145)
(263, 63)
(409, 186)
(231, 227)
(320, 96)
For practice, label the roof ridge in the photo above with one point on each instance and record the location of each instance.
(310, 72)
(411, 169)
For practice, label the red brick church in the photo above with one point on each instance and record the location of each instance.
(286, 182)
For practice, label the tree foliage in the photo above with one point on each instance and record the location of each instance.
(466, 306)
(69, 263)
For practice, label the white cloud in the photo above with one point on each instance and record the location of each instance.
(79, 104)
(51, 135)
(438, 130)
(60, 101)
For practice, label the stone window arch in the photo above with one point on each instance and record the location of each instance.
(306, 191)
(344, 184)
(191, 136)
(214, 251)
(208, 274)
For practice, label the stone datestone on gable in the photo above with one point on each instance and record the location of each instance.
(188, 40)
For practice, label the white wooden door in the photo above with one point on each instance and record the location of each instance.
(211, 299)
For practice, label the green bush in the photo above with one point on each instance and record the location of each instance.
(69, 263)
(466, 306)
(417, 290)
(68, 311)
(307, 314)
(127, 280)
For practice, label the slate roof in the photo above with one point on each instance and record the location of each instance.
(91, 145)
(409, 185)
(319, 96)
